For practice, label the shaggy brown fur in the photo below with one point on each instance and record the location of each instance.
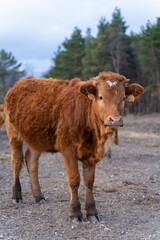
(72, 117)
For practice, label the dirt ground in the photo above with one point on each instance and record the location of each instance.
(127, 192)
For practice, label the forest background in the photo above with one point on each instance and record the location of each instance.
(137, 56)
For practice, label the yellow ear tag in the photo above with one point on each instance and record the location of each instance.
(91, 96)
(130, 98)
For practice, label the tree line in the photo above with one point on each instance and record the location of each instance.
(137, 56)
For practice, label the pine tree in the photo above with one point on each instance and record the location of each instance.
(117, 41)
(96, 59)
(113, 50)
(149, 56)
(9, 72)
(89, 62)
(101, 55)
(68, 62)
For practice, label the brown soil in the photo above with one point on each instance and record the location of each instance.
(127, 192)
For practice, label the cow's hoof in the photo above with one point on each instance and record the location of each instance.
(16, 201)
(93, 219)
(40, 199)
(76, 216)
(75, 220)
(43, 201)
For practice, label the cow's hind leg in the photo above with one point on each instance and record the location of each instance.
(16, 162)
(71, 165)
(16, 159)
(32, 159)
(88, 176)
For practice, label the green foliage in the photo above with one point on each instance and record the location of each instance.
(110, 51)
(149, 56)
(118, 44)
(9, 72)
(102, 60)
(68, 62)
(90, 61)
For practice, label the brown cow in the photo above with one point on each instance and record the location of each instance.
(1, 115)
(72, 117)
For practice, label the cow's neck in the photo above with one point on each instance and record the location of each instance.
(105, 135)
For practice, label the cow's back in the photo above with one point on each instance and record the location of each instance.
(31, 105)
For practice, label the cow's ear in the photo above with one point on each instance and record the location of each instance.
(132, 91)
(89, 90)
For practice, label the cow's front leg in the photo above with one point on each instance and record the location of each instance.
(88, 176)
(71, 165)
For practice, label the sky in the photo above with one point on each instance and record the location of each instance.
(33, 29)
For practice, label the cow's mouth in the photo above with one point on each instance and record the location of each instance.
(113, 126)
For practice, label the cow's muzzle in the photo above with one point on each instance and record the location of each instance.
(114, 122)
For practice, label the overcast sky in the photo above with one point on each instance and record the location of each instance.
(33, 29)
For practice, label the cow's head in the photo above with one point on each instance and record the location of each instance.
(108, 92)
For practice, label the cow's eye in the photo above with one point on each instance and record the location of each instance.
(100, 97)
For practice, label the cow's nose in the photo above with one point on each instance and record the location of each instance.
(115, 121)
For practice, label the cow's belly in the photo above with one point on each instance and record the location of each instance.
(38, 139)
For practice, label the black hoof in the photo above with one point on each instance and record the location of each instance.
(40, 199)
(92, 214)
(17, 195)
(76, 216)
(75, 220)
(93, 219)
(15, 201)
